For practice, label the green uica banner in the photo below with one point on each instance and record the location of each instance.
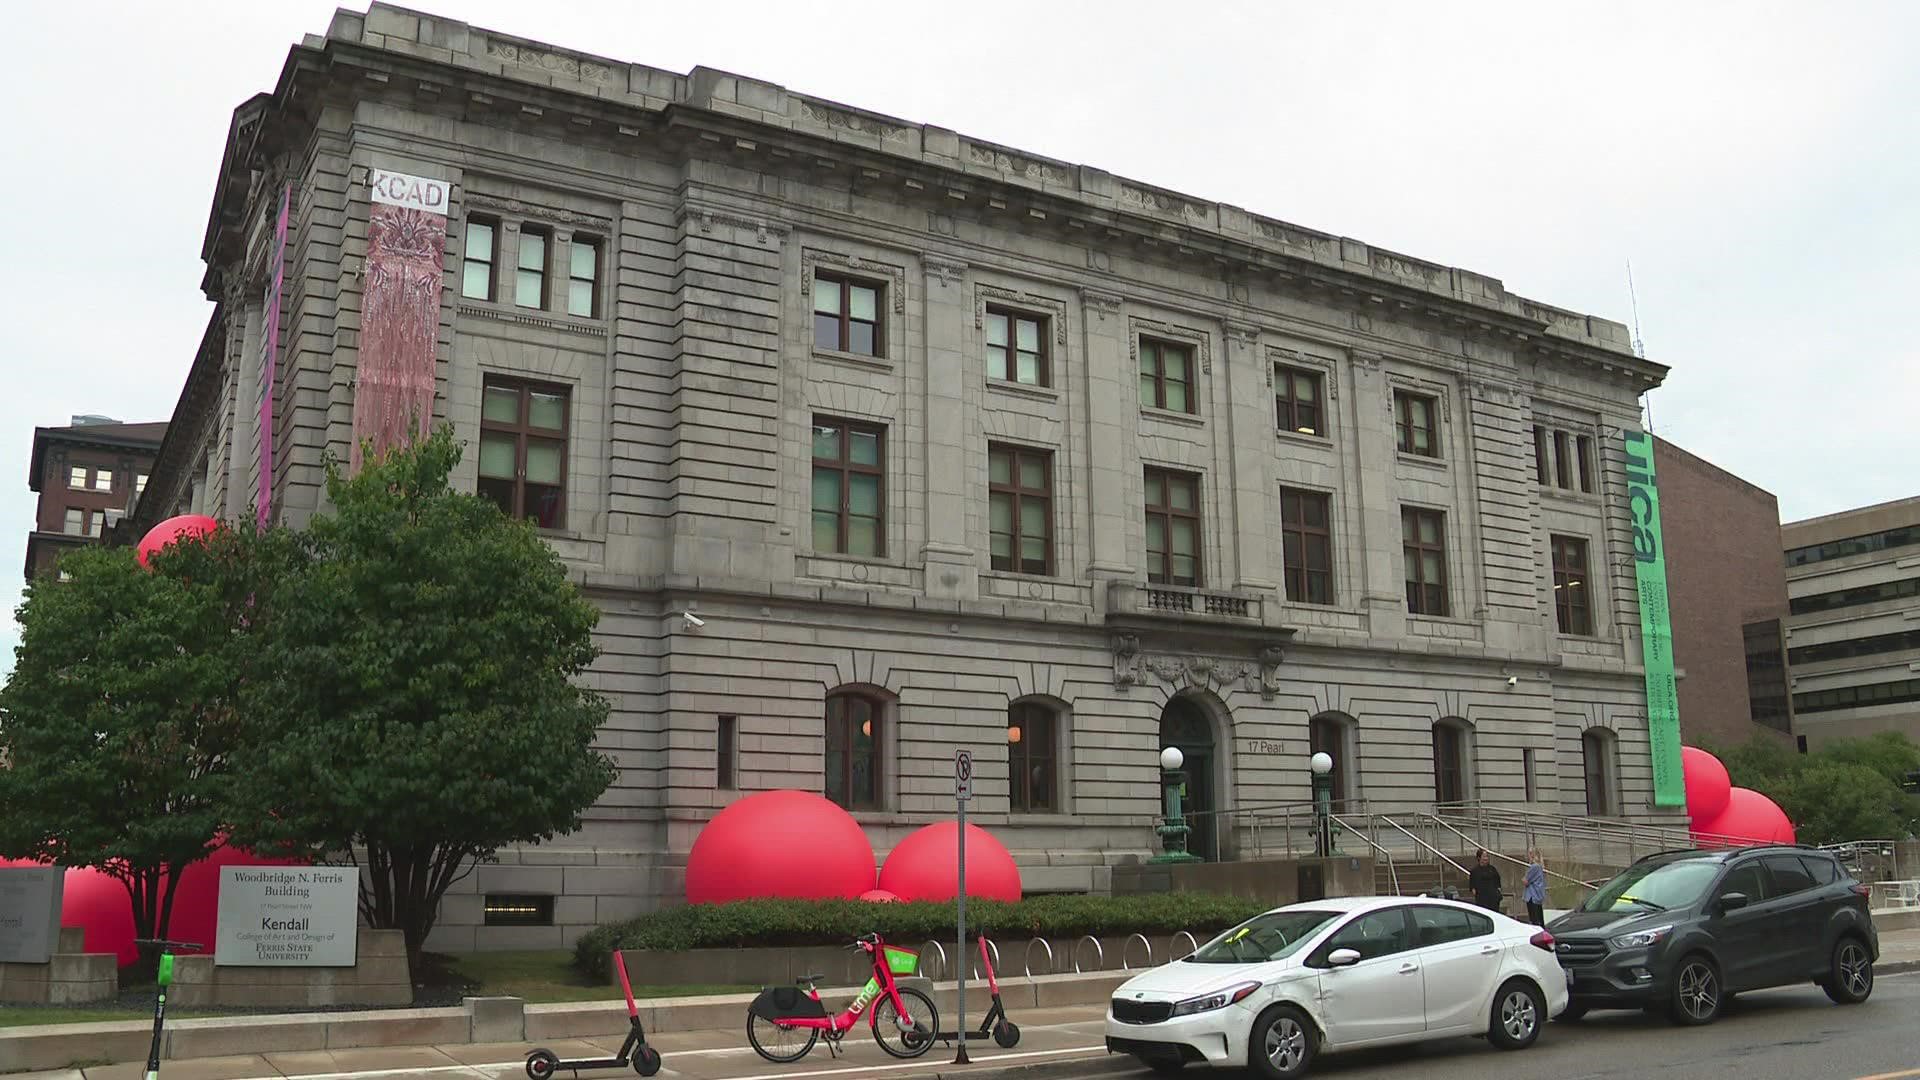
(1656, 628)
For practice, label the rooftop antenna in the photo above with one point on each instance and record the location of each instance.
(1639, 345)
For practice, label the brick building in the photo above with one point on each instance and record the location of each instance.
(944, 444)
(1727, 590)
(86, 475)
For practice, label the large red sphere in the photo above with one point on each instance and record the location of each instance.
(172, 530)
(1750, 818)
(791, 844)
(879, 896)
(924, 866)
(1707, 784)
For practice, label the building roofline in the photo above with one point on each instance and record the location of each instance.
(1717, 470)
(1841, 515)
(94, 435)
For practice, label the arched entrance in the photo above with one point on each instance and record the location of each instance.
(1184, 723)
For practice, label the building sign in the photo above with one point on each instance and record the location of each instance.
(270, 354)
(399, 310)
(288, 916)
(1656, 628)
(30, 913)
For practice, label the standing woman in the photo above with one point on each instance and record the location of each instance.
(1533, 888)
(1484, 882)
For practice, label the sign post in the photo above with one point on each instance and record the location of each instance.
(962, 791)
(1656, 628)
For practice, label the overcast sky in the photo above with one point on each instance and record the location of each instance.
(1757, 162)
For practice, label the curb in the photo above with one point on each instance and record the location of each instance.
(1086, 1066)
(1898, 967)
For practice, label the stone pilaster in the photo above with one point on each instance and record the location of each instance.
(1384, 587)
(953, 571)
(1112, 419)
(1250, 421)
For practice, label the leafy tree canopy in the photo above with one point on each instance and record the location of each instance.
(1848, 789)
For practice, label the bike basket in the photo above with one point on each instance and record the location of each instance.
(902, 961)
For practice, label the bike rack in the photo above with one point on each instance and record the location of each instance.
(937, 948)
(993, 947)
(1042, 942)
(1100, 954)
(1142, 939)
(1193, 946)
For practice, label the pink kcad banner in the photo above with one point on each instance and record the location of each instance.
(270, 356)
(399, 311)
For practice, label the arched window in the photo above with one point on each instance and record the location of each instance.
(1450, 774)
(853, 749)
(1598, 757)
(1033, 758)
(1328, 734)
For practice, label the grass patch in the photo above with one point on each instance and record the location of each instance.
(552, 977)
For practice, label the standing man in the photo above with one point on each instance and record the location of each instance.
(1484, 882)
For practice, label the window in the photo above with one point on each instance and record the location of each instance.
(725, 753)
(1020, 509)
(1296, 400)
(1767, 694)
(1584, 444)
(140, 483)
(583, 278)
(853, 751)
(1445, 925)
(846, 315)
(77, 477)
(530, 280)
(1449, 763)
(1747, 880)
(848, 488)
(523, 450)
(1898, 692)
(1306, 540)
(1596, 752)
(1572, 604)
(1788, 875)
(1017, 347)
(515, 909)
(1855, 545)
(1033, 779)
(1527, 773)
(1173, 528)
(103, 479)
(476, 269)
(1824, 869)
(1871, 645)
(1540, 454)
(1855, 597)
(1327, 735)
(1562, 466)
(1373, 935)
(76, 522)
(1413, 418)
(1424, 545)
(1166, 375)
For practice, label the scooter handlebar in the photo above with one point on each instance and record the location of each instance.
(162, 943)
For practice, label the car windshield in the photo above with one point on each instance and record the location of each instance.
(1262, 938)
(1655, 887)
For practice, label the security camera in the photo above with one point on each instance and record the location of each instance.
(1513, 681)
(694, 622)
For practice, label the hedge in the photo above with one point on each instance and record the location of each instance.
(760, 923)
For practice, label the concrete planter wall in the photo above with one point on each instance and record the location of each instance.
(69, 977)
(379, 977)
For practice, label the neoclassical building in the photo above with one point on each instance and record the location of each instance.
(874, 442)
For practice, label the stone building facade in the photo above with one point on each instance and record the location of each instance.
(874, 442)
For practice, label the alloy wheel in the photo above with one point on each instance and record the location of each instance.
(1517, 1015)
(1699, 991)
(1856, 971)
(1286, 1044)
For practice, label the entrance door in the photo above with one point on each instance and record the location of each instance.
(1184, 724)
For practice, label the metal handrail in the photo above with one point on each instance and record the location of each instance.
(1430, 849)
(1438, 821)
(1393, 875)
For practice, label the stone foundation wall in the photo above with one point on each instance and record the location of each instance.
(379, 977)
(70, 977)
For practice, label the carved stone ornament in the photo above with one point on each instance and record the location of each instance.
(811, 258)
(1101, 304)
(1163, 202)
(532, 210)
(1270, 658)
(1293, 237)
(1294, 358)
(983, 294)
(852, 121)
(1243, 334)
(705, 219)
(1126, 657)
(945, 270)
(1202, 344)
(551, 62)
(1031, 168)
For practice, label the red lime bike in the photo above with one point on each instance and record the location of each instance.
(784, 1022)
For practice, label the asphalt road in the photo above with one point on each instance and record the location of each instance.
(1773, 1035)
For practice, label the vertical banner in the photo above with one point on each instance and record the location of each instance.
(1656, 628)
(399, 311)
(270, 354)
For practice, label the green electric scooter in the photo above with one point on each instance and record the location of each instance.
(160, 1003)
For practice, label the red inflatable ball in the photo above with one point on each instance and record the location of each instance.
(923, 866)
(1750, 818)
(173, 530)
(879, 896)
(792, 844)
(1707, 784)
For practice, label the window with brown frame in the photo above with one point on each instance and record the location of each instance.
(1033, 776)
(853, 732)
(103, 479)
(1562, 466)
(1173, 528)
(1584, 444)
(1017, 347)
(1166, 375)
(1424, 544)
(530, 279)
(477, 258)
(726, 737)
(1413, 419)
(1328, 735)
(1020, 508)
(1528, 786)
(847, 315)
(523, 449)
(1572, 600)
(1306, 540)
(1540, 454)
(1297, 400)
(849, 488)
(583, 277)
(1449, 763)
(1596, 753)
(77, 477)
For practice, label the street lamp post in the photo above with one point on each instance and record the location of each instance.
(1322, 765)
(1173, 829)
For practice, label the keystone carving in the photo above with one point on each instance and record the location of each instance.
(1126, 657)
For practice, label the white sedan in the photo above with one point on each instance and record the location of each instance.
(1282, 988)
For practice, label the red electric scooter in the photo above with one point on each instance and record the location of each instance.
(543, 1063)
(1005, 1032)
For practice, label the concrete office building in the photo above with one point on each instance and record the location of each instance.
(86, 474)
(1853, 632)
(946, 444)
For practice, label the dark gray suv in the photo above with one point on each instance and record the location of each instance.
(1684, 931)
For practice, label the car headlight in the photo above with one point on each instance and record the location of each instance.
(1641, 939)
(1219, 999)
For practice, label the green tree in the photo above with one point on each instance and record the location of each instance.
(1849, 789)
(422, 709)
(119, 714)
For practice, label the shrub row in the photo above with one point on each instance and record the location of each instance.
(760, 923)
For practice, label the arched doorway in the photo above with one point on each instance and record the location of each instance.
(1184, 723)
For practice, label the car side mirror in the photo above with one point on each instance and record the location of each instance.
(1343, 958)
(1733, 901)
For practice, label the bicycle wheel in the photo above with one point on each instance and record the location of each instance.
(779, 1044)
(886, 1024)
